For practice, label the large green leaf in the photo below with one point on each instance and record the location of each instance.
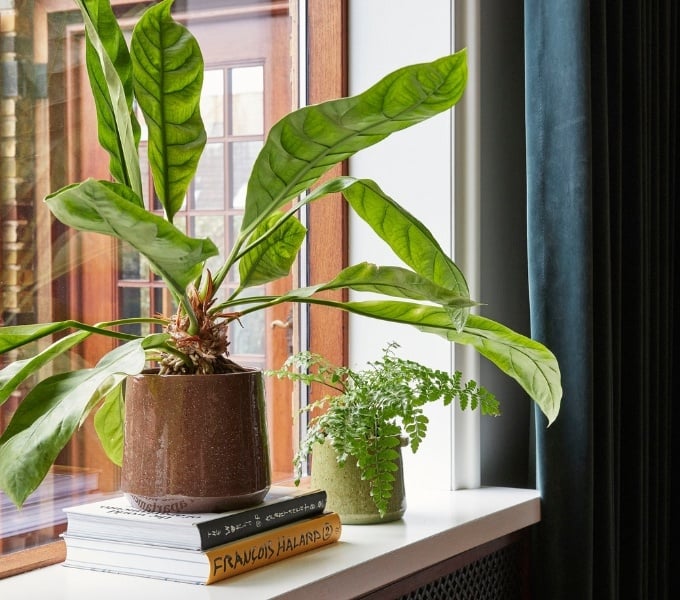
(306, 143)
(401, 283)
(105, 207)
(366, 277)
(168, 76)
(276, 245)
(51, 413)
(407, 236)
(528, 362)
(110, 74)
(15, 373)
(410, 239)
(15, 336)
(109, 423)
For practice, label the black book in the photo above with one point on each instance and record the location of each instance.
(116, 519)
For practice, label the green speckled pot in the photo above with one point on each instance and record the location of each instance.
(348, 494)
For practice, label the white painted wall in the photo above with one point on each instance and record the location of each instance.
(415, 167)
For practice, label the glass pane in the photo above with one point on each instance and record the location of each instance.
(134, 301)
(163, 303)
(211, 227)
(180, 222)
(212, 102)
(243, 155)
(147, 185)
(130, 265)
(209, 181)
(247, 101)
(246, 337)
(144, 134)
(66, 132)
(234, 227)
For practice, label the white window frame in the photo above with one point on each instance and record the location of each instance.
(433, 171)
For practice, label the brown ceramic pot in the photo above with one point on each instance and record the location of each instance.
(195, 443)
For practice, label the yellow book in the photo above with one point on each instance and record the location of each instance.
(203, 566)
(271, 546)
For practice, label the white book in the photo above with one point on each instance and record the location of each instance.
(117, 520)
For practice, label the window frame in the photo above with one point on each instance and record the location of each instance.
(327, 70)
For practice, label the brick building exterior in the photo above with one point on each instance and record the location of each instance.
(17, 167)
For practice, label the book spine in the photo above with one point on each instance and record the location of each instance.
(272, 546)
(260, 518)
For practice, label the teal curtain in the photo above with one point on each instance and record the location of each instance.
(602, 186)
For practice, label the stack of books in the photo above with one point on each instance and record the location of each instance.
(199, 548)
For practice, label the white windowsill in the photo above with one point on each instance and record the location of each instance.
(437, 525)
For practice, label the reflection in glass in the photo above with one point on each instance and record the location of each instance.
(163, 302)
(133, 302)
(147, 186)
(209, 181)
(243, 155)
(62, 117)
(210, 226)
(212, 102)
(246, 337)
(181, 223)
(144, 130)
(247, 104)
(130, 263)
(234, 227)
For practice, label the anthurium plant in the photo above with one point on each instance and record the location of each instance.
(369, 412)
(161, 71)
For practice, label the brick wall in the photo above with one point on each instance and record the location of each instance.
(17, 153)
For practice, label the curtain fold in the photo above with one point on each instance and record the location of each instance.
(602, 163)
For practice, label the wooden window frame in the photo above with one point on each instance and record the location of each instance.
(328, 220)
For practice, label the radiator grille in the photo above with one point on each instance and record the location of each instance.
(497, 576)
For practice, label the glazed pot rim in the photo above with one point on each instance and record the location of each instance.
(155, 373)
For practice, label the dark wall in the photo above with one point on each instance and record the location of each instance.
(505, 439)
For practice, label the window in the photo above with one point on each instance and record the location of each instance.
(416, 166)
(48, 140)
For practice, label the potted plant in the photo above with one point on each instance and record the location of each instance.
(357, 431)
(161, 72)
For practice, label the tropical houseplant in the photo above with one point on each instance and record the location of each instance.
(161, 72)
(357, 430)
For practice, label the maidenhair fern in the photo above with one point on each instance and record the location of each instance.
(369, 413)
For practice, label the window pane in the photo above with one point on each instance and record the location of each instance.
(135, 301)
(163, 302)
(247, 341)
(209, 181)
(131, 264)
(144, 133)
(243, 155)
(211, 227)
(51, 114)
(212, 102)
(147, 186)
(247, 101)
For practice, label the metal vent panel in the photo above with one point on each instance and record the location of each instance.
(497, 576)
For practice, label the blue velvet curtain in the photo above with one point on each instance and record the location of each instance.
(602, 176)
